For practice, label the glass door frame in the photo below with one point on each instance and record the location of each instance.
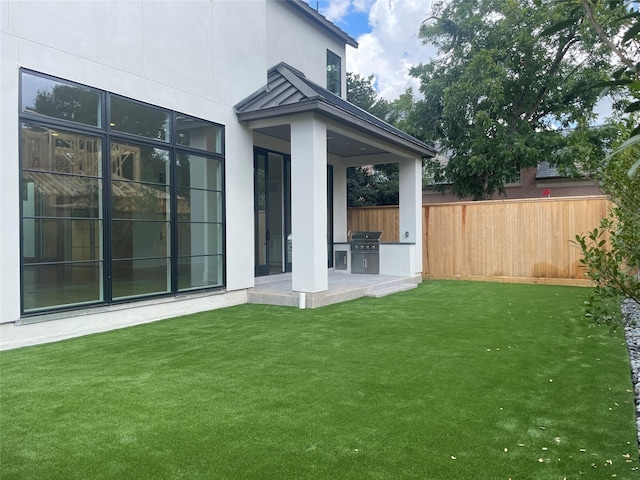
(262, 236)
(260, 244)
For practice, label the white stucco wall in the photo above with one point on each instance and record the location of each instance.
(297, 41)
(9, 174)
(196, 57)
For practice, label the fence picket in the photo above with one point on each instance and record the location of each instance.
(526, 240)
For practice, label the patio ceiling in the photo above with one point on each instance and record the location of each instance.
(337, 143)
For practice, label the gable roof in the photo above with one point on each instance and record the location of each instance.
(322, 22)
(288, 92)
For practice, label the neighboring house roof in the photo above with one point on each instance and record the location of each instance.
(288, 92)
(323, 22)
(546, 170)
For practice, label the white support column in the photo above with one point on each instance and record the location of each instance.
(411, 207)
(339, 202)
(309, 204)
(239, 216)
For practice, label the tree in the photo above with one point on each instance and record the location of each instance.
(614, 265)
(69, 103)
(617, 25)
(379, 184)
(360, 91)
(498, 97)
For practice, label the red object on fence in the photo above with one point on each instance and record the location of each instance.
(546, 192)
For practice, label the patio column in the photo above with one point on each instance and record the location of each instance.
(339, 202)
(309, 204)
(411, 208)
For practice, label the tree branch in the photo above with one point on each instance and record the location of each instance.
(603, 36)
(563, 49)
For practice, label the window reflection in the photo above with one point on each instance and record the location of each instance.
(55, 150)
(199, 206)
(64, 239)
(139, 239)
(51, 240)
(50, 195)
(59, 285)
(139, 163)
(199, 239)
(199, 272)
(139, 119)
(198, 172)
(196, 133)
(134, 278)
(62, 234)
(62, 100)
(139, 201)
(334, 73)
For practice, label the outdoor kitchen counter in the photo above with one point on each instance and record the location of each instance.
(396, 258)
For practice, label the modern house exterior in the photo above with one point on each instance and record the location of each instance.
(158, 157)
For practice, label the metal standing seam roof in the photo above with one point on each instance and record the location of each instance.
(288, 92)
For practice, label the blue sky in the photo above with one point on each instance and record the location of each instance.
(387, 33)
(355, 22)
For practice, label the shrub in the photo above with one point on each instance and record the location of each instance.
(611, 253)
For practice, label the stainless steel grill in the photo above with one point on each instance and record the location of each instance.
(365, 252)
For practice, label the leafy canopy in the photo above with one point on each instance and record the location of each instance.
(376, 184)
(611, 253)
(498, 96)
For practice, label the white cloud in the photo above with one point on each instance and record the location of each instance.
(337, 9)
(392, 46)
(362, 5)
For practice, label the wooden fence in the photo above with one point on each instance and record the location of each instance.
(383, 219)
(505, 240)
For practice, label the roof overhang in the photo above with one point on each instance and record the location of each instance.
(288, 93)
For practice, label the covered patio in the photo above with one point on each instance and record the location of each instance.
(318, 132)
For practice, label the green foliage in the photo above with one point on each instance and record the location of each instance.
(379, 184)
(373, 186)
(614, 266)
(616, 23)
(360, 189)
(360, 91)
(68, 103)
(603, 267)
(496, 95)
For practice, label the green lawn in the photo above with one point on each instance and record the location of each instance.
(453, 380)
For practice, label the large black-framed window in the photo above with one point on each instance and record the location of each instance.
(121, 200)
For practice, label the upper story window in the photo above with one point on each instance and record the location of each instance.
(61, 100)
(128, 116)
(334, 73)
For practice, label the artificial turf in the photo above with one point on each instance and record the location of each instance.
(453, 380)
